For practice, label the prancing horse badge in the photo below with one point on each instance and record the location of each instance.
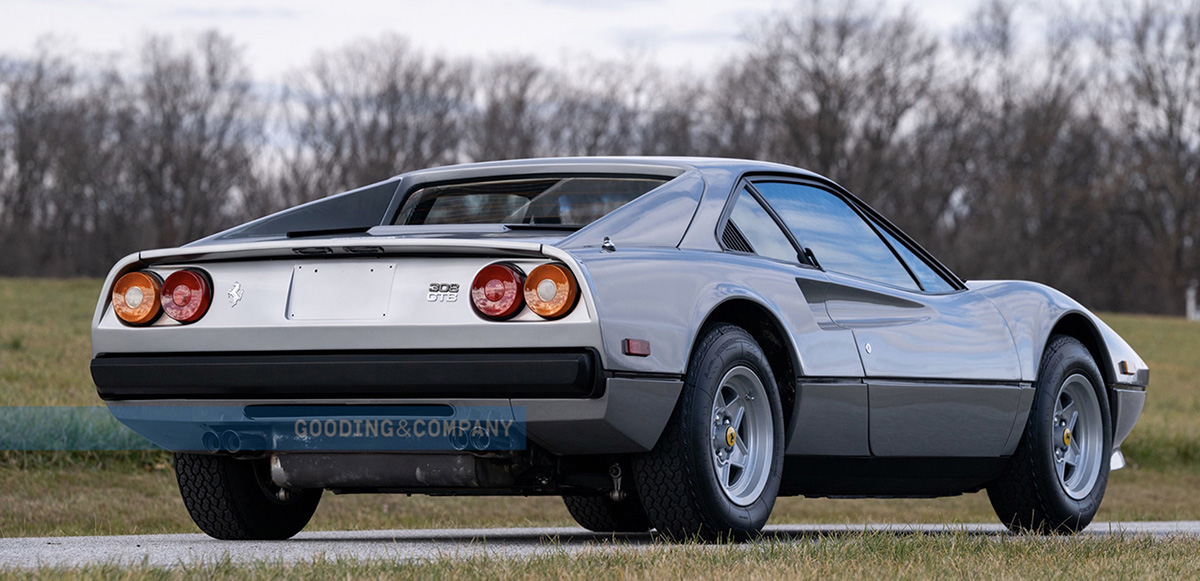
(234, 294)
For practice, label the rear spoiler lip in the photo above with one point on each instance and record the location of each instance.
(342, 247)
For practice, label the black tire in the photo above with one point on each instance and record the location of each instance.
(602, 515)
(1029, 495)
(677, 480)
(231, 499)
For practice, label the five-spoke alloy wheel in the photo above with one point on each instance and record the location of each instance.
(742, 435)
(1077, 436)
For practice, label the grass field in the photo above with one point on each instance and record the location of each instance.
(44, 355)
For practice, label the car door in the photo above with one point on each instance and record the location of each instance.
(940, 364)
(830, 417)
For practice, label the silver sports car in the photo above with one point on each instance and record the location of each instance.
(667, 343)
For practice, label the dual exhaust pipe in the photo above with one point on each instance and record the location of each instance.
(227, 441)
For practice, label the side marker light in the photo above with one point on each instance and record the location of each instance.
(636, 347)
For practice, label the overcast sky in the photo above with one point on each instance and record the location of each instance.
(281, 35)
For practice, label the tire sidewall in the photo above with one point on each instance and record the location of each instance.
(1068, 359)
(229, 500)
(734, 347)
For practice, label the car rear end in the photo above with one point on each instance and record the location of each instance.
(410, 358)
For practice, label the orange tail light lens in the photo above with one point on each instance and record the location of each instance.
(135, 298)
(496, 291)
(551, 290)
(186, 295)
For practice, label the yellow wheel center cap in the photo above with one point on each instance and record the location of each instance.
(730, 436)
(1067, 437)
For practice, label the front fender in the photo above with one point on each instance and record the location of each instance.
(1034, 311)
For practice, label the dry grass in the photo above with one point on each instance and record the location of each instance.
(1168, 434)
(854, 556)
(131, 498)
(45, 341)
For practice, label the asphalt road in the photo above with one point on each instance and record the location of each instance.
(170, 550)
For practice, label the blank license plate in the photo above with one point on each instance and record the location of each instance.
(340, 291)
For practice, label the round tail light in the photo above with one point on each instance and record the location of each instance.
(135, 298)
(496, 291)
(186, 295)
(551, 290)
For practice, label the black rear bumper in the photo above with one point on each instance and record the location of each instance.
(344, 375)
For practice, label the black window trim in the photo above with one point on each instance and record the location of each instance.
(873, 219)
(892, 230)
(802, 257)
(406, 190)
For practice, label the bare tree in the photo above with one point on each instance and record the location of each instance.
(1153, 53)
(512, 118)
(370, 111)
(61, 167)
(596, 109)
(1033, 154)
(672, 116)
(841, 81)
(34, 93)
(196, 134)
(736, 117)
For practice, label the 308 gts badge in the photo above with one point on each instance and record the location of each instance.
(443, 292)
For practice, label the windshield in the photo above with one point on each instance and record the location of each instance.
(560, 202)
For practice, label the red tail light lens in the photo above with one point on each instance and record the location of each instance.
(551, 291)
(135, 298)
(496, 291)
(186, 296)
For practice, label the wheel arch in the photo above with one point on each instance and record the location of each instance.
(1079, 327)
(770, 335)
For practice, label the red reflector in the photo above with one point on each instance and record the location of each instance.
(186, 296)
(636, 347)
(496, 291)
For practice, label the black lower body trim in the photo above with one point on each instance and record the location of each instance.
(407, 374)
(887, 477)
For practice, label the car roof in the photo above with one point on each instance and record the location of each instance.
(612, 164)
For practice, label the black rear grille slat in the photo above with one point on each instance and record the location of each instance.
(568, 374)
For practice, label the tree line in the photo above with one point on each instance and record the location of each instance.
(1066, 153)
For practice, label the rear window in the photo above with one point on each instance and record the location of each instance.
(563, 201)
